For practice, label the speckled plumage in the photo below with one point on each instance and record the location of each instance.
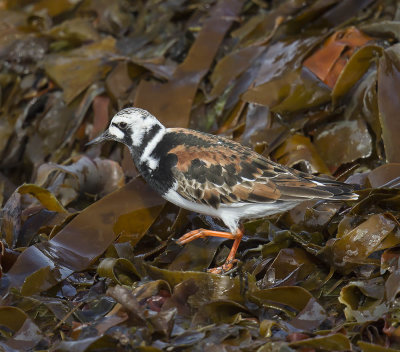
(214, 175)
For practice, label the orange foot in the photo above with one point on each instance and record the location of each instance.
(223, 268)
(201, 233)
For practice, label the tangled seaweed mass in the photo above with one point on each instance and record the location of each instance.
(88, 252)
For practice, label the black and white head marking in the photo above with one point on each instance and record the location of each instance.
(140, 131)
(130, 126)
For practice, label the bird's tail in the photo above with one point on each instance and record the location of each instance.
(339, 190)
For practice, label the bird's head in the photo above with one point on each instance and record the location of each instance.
(130, 126)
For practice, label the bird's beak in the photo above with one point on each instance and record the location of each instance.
(105, 136)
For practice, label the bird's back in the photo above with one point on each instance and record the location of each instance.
(217, 171)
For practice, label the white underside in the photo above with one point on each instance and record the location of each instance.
(232, 213)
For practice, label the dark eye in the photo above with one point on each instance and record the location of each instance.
(122, 125)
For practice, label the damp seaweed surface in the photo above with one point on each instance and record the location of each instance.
(88, 252)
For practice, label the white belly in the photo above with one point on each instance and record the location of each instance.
(232, 213)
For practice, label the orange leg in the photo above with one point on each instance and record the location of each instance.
(201, 233)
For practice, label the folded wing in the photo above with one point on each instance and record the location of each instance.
(217, 171)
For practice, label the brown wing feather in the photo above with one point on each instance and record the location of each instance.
(215, 171)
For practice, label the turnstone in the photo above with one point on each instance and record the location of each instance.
(214, 175)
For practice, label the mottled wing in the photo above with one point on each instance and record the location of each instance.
(213, 170)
